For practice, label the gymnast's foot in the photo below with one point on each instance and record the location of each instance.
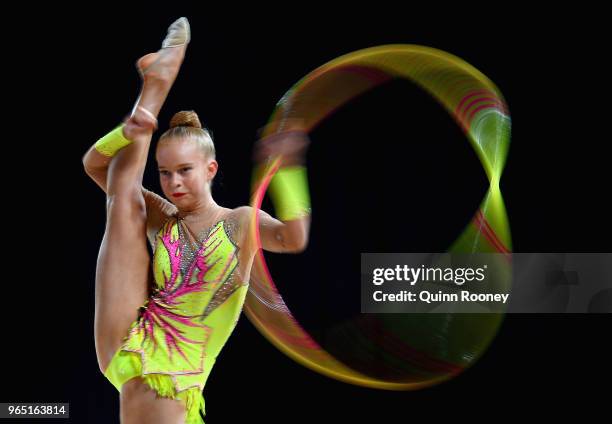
(163, 66)
(158, 71)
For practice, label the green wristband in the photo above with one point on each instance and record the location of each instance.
(112, 142)
(289, 193)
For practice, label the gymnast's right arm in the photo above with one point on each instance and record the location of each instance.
(96, 161)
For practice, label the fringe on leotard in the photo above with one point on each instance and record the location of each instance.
(192, 398)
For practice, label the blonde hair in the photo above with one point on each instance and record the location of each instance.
(185, 125)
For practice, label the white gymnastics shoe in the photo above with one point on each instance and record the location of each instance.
(179, 34)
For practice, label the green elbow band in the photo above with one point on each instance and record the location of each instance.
(112, 142)
(289, 193)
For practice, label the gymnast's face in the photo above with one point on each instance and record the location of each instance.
(185, 172)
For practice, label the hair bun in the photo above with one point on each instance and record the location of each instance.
(185, 118)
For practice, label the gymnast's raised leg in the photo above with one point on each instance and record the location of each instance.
(123, 265)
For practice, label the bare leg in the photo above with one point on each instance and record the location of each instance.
(122, 271)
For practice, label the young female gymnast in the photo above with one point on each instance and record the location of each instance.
(159, 329)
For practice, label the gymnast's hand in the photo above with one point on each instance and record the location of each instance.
(140, 122)
(290, 143)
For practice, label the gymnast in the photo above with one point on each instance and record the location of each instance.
(161, 322)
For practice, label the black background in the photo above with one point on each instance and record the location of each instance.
(392, 159)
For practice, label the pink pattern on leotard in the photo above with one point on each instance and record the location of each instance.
(164, 301)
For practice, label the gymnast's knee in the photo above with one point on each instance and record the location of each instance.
(127, 204)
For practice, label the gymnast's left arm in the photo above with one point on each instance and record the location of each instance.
(283, 236)
(289, 232)
(275, 235)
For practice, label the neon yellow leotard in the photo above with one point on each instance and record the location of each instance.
(193, 308)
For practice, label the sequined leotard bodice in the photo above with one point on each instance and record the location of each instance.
(193, 308)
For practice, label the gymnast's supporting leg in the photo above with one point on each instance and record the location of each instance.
(123, 262)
